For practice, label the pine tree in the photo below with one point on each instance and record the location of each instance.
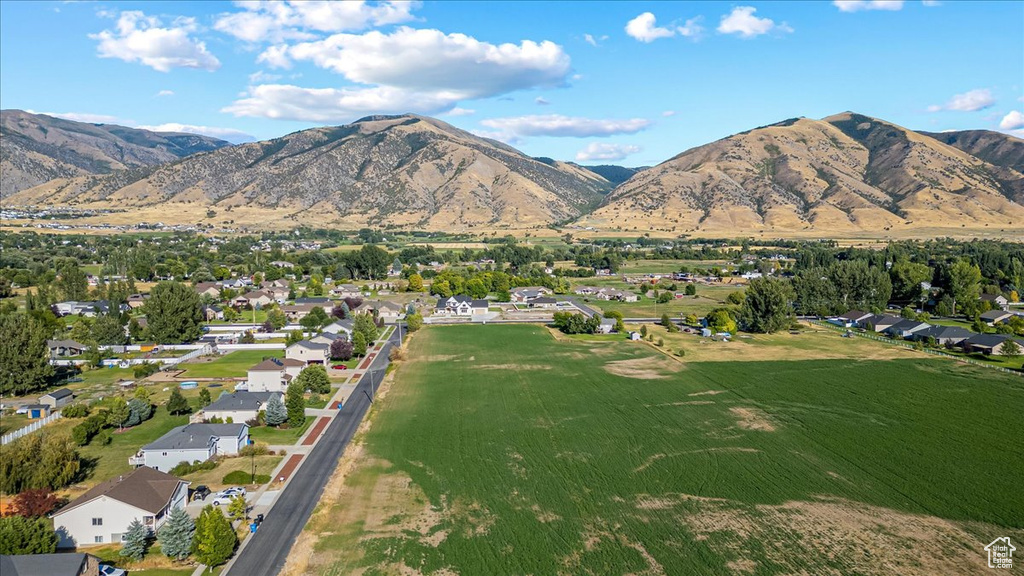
(204, 397)
(215, 538)
(177, 404)
(176, 535)
(296, 404)
(276, 414)
(135, 541)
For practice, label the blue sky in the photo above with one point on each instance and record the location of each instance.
(626, 83)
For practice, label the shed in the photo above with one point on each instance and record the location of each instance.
(57, 399)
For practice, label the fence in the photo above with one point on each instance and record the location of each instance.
(931, 351)
(29, 429)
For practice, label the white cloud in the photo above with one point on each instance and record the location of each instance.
(644, 28)
(668, 113)
(931, 3)
(601, 151)
(143, 39)
(334, 105)
(86, 117)
(858, 5)
(565, 126)
(1012, 121)
(541, 101)
(742, 21)
(165, 93)
(300, 20)
(972, 101)
(460, 112)
(593, 40)
(229, 134)
(261, 77)
(692, 28)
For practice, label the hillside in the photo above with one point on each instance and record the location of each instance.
(993, 147)
(614, 174)
(382, 170)
(847, 172)
(36, 148)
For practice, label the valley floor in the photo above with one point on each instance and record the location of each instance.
(503, 450)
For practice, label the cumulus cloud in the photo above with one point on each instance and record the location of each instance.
(424, 71)
(741, 21)
(601, 151)
(563, 126)
(301, 19)
(972, 101)
(165, 93)
(858, 5)
(229, 134)
(645, 29)
(144, 39)
(691, 28)
(460, 112)
(1012, 121)
(261, 77)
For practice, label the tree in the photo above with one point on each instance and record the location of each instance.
(136, 541)
(215, 539)
(414, 322)
(293, 337)
(20, 535)
(341, 349)
(176, 535)
(691, 289)
(139, 411)
(906, 279)
(735, 297)
(107, 329)
(204, 398)
(415, 283)
(40, 460)
(859, 285)
(1011, 349)
(314, 378)
(277, 319)
(174, 313)
(964, 284)
(643, 330)
(118, 413)
(315, 320)
(441, 288)
(364, 324)
(237, 507)
(276, 414)
(358, 343)
(692, 320)
(768, 305)
(177, 404)
(721, 320)
(24, 356)
(71, 280)
(668, 323)
(295, 402)
(35, 502)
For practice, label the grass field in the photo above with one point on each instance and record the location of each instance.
(502, 450)
(279, 436)
(231, 365)
(707, 299)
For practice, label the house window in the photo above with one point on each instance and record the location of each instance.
(164, 453)
(97, 521)
(98, 540)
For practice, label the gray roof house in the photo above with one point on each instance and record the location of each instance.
(340, 327)
(240, 406)
(991, 344)
(996, 299)
(309, 352)
(854, 317)
(880, 322)
(57, 399)
(944, 335)
(607, 325)
(905, 328)
(192, 442)
(993, 317)
(460, 306)
(79, 564)
(65, 347)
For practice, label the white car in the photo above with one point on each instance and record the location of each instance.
(108, 570)
(242, 387)
(225, 496)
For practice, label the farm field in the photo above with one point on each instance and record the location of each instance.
(666, 266)
(503, 450)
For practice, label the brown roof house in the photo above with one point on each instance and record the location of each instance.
(102, 515)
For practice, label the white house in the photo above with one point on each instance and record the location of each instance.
(525, 294)
(607, 326)
(460, 306)
(340, 327)
(273, 374)
(346, 291)
(309, 352)
(238, 406)
(192, 442)
(102, 515)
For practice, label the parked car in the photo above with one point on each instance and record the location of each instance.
(201, 492)
(235, 490)
(225, 496)
(242, 387)
(108, 570)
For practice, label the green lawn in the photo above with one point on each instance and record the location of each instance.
(707, 299)
(279, 436)
(500, 450)
(666, 266)
(232, 365)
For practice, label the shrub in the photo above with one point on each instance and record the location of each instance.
(75, 411)
(145, 369)
(19, 535)
(243, 477)
(184, 468)
(258, 449)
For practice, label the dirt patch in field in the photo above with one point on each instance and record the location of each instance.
(844, 536)
(595, 536)
(650, 368)
(752, 419)
(708, 393)
(687, 403)
(655, 457)
(517, 367)
(438, 358)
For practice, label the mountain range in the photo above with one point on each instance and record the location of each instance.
(847, 172)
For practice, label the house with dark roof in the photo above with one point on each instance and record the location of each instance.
(388, 311)
(241, 406)
(102, 514)
(880, 322)
(57, 399)
(993, 317)
(853, 318)
(460, 306)
(79, 564)
(997, 300)
(191, 442)
(340, 327)
(65, 348)
(309, 352)
(211, 289)
(526, 294)
(328, 338)
(272, 374)
(346, 291)
(543, 302)
(943, 335)
(906, 328)
(991, 344)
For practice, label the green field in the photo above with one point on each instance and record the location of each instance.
(501, 450)
(231, 365)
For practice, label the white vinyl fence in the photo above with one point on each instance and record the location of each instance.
(29, 429)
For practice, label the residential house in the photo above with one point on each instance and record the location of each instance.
(79, 564)
(993, 317)
(880, 322)
(57, 399)
(211, 289)
(309, 352)
(586, 290)
(853, 318)
(607, 326)
(88, 309)
(346, 291)
(460, 306)
(388, 311)
(255, 298)
(213, 312)
(637, 336)
(329, 338)
(990, 344)
(321, 301)
(544, 302)
(282, 264)
(102, 514)
(137, 300)
(997, 300)
(273, 374)
(340, 327)
(278, 293)
(943, 335)
(906, 328)
(65, 347)
(526, 294)
(242, 406)
(237, 284)
(192, 442)
(296, 312)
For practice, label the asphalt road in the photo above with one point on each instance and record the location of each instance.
(266, 553)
